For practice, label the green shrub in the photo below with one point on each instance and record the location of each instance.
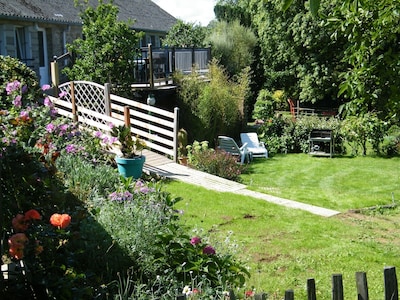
(264, 107)
(282, 134)
(215, 106)
(360, 130)
(391, 142)
(218, 163)
(11, 69)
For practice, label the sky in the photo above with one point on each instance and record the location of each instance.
(197, 11)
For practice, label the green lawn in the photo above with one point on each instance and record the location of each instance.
(284, 246)
(339, 183)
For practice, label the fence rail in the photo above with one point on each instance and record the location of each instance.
(92, 104)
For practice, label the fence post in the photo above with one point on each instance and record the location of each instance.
(107, 100)
(127, 116)
(176, 129)
(337, 287)
(73, 102)
(362, 286)
(391, 286)
(232, 295)
(311, 293)
(151, 70)
(55, 76)
(289, 295)
(261, 296)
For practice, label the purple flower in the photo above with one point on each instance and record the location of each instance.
(17, 101)
(45, 87)
(50, 127)
(71, 148)
(53, 112)
(120, 196)
(98, 134)
(12, 86)
(24, 89)
(195, 240)
(209, 250)
(24, 114)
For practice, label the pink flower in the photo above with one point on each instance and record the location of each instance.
(12, 86)
(195, 240)
(17, 101)
(209, 250)
(47, 102)
(62, 94)
(50, 127)
(45, 87)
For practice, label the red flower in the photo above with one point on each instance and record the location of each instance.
(195, 240)
(60, 221)
(19, 223)
(209, 250)
(17, 244)
(249, 294)
(32, 214)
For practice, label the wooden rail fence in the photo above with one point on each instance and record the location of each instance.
(390, 285)
(92, 104)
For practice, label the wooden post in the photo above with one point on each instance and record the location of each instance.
(73, 102)
(337, 287)
(107, 100)
(232, 295)
(289, 295)
(151, 70)
(391, 286)
(175, 130)
(127, 116)
(261, 296)
(311, 293)
(55, 77)
(362, 286)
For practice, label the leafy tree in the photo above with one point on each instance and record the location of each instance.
(371, 82)
(105, 54)
(297, 51)
(233, 45)
(184, 34)
(230, 10)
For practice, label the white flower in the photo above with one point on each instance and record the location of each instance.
(187, 291)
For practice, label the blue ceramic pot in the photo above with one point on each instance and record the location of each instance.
(130, 167)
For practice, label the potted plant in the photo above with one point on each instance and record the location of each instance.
(130, 162)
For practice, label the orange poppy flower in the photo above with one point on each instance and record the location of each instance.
(19, 223)
(32, 214)
(60, 220)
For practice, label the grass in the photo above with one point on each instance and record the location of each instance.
(340, 183)
(284, 247)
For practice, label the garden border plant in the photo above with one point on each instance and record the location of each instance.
(68, 170)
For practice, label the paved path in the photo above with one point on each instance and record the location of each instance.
(167, 168)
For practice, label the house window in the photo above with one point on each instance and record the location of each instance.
(41, 49)
(21, 43)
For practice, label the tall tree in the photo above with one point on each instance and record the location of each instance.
(185, 34)
(233, 45)
(105, 54)
(371, 81)
(297, 51)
